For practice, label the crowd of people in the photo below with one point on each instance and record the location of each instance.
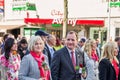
(47, 57)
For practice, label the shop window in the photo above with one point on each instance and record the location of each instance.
(28, 32)
(96, 34)
(117, 32)
(2, 34)
(56, 33)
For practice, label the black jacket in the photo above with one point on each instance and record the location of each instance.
(107, 71)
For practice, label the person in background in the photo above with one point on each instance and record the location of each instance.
(22, 47)
(5, 37)
(58, 44)
(49, 47)
(34, 66)
(63, 41)
(10, 60)
(91, 60)
(63, 66)
(109, 65)
(42, 34)
(80, 51)
(1, 42)
(82, 43)
(19, 37)
(98, 45)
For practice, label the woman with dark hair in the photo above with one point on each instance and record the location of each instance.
(22, 48)
(10, 61)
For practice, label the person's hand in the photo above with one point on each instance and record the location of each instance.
(42, 79)
(84, 75)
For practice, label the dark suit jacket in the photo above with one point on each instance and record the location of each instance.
(47, 52)
(62, 67)
(106, 70)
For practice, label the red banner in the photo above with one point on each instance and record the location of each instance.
(1, 2)
(79, 22)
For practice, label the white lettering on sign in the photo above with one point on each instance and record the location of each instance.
(56, 13)
(60, 21)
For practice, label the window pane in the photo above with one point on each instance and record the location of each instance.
(117, 32)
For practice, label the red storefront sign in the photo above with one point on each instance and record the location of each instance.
(78, 22)
(1, 2)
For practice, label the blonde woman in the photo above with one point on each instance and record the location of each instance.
(91, 60)
(34, 66)
(109, 65)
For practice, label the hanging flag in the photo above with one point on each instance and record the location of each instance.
(31, 6)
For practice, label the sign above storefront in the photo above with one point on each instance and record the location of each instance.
(115, 4)
(1, 2)
(60, 21)
(73, 22)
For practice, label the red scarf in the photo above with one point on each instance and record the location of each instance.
(94, 55)
(116, 67)
(40, 59)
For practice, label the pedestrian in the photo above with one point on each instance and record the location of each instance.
(42, 34)
(49, 47)
(10, 60)
(22, 47)
(63, 66)
(109, 65)
(34, 66)
(91, 60)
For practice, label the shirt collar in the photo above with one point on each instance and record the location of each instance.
(49, 46)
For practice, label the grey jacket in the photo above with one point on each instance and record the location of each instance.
(29, 68)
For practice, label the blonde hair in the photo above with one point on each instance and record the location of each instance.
(88, 46)
(108, 51)
(32, 42)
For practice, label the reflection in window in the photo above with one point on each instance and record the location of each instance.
(117, 32)
(96, 34)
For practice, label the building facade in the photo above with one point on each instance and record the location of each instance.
(89, 18)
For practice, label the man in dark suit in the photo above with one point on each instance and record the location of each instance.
(49, 47)
(63, 66)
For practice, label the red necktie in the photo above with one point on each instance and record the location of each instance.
(73, 58)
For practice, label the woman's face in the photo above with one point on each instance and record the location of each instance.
(38, 46)
(116, 51)
(14, 47)
(94, 45)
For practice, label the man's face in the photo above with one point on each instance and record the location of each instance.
(53, 39)
(71, 41)
(81, 43)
